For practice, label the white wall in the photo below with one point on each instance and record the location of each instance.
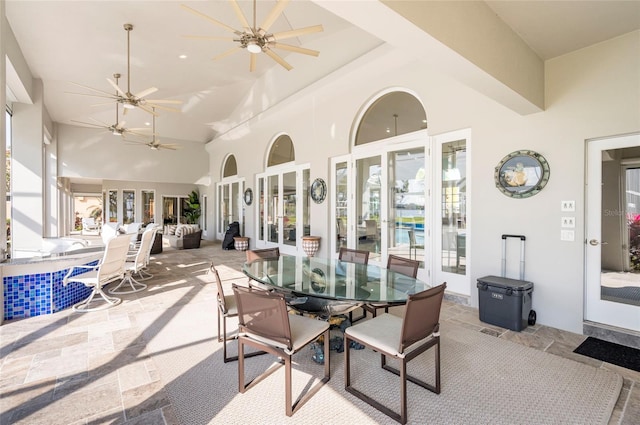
(590, 93)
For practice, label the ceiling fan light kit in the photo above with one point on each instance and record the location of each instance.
(257, 39)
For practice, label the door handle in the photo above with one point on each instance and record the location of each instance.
(595, 242)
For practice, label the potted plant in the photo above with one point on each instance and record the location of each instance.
(193, 211)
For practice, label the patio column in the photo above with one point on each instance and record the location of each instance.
(27, 203)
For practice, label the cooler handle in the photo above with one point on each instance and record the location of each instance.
(504, 254)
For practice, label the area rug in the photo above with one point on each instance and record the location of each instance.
(610, 352)
(485, 380)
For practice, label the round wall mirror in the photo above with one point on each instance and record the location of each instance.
(248, 196)
(522, 174)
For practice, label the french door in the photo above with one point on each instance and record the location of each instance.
(380, 201)
(612, 245)
(229, 205)
(283, 203)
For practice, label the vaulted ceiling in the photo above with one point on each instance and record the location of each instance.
(84, 42)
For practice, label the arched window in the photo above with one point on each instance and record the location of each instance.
(390, 115)
(282, 151)
(230, 167)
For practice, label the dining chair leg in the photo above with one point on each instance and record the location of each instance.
(287, 379)
(403, 392)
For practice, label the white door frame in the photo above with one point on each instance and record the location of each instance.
(383, 148)
(595, 309)
(280, 171)
(458, 283)
(228, 182)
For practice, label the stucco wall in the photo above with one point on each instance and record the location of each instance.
(593, 92)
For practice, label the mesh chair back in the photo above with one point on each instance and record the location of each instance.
(353, 256)
(262, 254)
(113, 262)
(263, 314)
(403, 265)
(221, 301)
(422, 316)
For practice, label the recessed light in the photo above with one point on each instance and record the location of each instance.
(147, 123)
(182, 56)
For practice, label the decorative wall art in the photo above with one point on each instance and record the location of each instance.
(318, 191)
(522, 174)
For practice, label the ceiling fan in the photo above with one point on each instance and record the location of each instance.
(257, 39)
(128, 99)
(154, 143)
(117, 129)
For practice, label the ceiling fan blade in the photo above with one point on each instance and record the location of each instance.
(294, 49)
(241, 17)
(210, 19)
(298, 32)
(91, 88)
(130, 131)
(102, 104)
(208, 37)
(278, 59)
(170, 147)
(100, 123)
(154, 101)
(273, 15)
(227, 53)
(88, 123)
(93, 95)
(149, 110)
(146, 92)
(118, 89)
(121, 124)
(252, 62)
(165, 108)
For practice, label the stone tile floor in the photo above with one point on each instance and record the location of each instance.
(93, 368)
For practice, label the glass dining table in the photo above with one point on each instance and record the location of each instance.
(330, 287)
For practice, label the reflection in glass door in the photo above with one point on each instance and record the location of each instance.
(368, 199)
(229, 204)
(612, 237)
(284, 208)
(273, 209)
(407, 200)
(289, 208)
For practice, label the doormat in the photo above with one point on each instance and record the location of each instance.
(610, 352)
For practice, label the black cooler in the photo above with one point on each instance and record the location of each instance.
(503, 301)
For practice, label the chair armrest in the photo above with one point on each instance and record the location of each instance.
(72, 270)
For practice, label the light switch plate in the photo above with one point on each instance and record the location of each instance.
(568, 206)
(567, 235)
(568, 222)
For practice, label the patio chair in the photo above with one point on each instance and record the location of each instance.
(413, 245)
(397, 264)
(265, 324)
(135, 263)
(402, 339)
(109, 231)
(109, 269)
(261, 254)
(354, 256)
(226, 309)
(89, 225)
